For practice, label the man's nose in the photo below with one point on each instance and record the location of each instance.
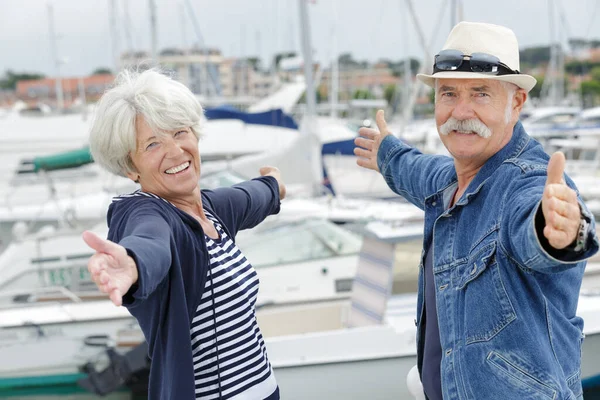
(463, 109)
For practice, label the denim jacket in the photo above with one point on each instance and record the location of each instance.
(506, 301)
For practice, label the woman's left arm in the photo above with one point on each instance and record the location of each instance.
(246, 204)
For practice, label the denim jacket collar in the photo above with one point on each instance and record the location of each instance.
(512, 149)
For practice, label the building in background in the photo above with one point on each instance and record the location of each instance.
(75, 90)
(214, 78)
(7, 98)
(372, 79)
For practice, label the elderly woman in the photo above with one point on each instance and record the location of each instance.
(170, 257)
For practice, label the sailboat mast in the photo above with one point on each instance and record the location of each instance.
(309, 123)
(153, 35)
(58, 80)
(307, 56)
(335, 67)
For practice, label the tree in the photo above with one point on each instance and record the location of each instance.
(255, 63)
(398, 67)
(318, 97)
(535, 55)
(102, 71)
(591, 88)
(281, 56)
(537, 89)
(388, 93)
(595, 74)
(580, 67)
(345, 59)
(11, 78)
(363, 94)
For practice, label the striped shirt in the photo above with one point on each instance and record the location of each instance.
(230, 358)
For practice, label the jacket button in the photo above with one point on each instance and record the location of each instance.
(434, 203)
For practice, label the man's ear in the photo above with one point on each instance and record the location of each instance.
(519, 100)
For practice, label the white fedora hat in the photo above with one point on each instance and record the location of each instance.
(494, 40)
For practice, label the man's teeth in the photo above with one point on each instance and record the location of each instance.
(179, 168)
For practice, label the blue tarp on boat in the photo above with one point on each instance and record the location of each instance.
(272, 118)
(343, 147)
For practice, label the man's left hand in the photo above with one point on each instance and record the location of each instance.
(560, 206)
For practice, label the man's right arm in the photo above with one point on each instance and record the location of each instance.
(406, 170)
(410, 173)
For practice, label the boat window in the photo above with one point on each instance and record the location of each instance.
(298, 242)
(220, 179)
(556, 119)
(589, 122)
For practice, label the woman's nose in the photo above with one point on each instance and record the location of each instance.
(173, 148)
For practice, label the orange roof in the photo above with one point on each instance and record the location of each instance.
(68, 84)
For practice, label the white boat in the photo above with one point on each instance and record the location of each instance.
(304, 260)
(313, 353)
(548, 122)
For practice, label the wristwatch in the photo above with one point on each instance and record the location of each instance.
(580, 243)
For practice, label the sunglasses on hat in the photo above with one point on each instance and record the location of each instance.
(456, 60)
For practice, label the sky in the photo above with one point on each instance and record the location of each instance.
(369, 29)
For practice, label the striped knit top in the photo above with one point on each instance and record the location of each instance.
(229, 354)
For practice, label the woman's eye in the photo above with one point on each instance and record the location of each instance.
(151, 145)
(180, 133)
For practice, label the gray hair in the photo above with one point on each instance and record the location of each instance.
(164, 103)
(511, 89)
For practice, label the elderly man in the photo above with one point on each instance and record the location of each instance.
(506, 235)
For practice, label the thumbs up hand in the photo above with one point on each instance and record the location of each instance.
(369, 141)
(560, 206)
(111, 268)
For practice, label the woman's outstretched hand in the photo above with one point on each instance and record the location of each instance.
(111, 268)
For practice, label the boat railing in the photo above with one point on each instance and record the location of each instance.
(50, 294)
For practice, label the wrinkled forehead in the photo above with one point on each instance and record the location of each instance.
(490, 84)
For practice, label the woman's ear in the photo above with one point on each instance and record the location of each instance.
(134, 176)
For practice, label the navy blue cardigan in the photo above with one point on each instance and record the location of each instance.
(170, 252)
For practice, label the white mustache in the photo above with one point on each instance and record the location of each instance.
(467, 125)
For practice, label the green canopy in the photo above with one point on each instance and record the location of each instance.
(69, 159)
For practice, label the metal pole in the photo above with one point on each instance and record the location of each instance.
(335, 67)
(183, 27)
(307, 56)
(58, 79)
(114, 35)
(153, 36)
(127, 27)
(309, 123)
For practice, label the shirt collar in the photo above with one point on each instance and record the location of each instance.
(512, 149)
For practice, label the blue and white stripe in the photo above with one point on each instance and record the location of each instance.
(237, 361)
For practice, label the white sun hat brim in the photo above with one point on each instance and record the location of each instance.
(526, 82)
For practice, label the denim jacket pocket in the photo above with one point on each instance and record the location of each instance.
(486, 307)
(531, 386)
